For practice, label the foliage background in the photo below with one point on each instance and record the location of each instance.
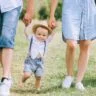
(42, 9)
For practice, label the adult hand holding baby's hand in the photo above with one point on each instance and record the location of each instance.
(52, 22)
(27, 19)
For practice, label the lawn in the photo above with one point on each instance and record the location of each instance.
(55, 69)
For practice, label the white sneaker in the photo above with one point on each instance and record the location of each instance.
(67, 82)
(79, 86)
(5, 87)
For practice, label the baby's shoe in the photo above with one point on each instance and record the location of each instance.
(67, 82)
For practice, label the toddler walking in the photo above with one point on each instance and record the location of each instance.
(39, 40)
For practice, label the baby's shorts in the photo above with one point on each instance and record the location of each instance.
(35, 66)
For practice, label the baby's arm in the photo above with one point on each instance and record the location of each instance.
(28, 36)
(25, 32)
(51, 36)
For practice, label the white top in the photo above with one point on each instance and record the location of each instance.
(37, 47)
(7, 5)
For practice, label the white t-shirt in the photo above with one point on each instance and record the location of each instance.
(7, 5)
(38, 47)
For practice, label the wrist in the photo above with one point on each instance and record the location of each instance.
(52, 16)
(29, 13)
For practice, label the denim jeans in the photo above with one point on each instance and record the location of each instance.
(35, 66)
(8, 24)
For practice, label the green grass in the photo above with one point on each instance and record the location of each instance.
(55, 69)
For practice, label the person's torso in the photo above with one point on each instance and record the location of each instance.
(37, 48)
(7, 5)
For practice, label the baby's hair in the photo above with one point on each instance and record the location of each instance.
(42, 26)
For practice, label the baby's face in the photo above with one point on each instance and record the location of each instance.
(41, 34)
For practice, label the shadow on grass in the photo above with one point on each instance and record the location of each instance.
(45, 89)
(33, 91)
(88, 82)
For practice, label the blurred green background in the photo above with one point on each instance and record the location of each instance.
(42, 9)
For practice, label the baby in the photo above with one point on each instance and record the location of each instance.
(39, 40)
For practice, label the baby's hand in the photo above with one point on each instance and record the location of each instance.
(27, 19)
(53, 25)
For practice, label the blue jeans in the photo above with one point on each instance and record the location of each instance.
(8, 24)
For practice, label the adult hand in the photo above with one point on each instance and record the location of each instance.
(52, 22)
(27, 19)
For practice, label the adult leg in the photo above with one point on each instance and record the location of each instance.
(6, 81)
(0, 56)
(83, 60)
(7, 55)
(7, 38)
(1, 19)
(70, 51)
(7, 44)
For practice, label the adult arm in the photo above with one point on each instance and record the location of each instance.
(52, 21)
(29, 12)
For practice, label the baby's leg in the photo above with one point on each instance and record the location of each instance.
(25, 76)
(38, 82)
(38, 75)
